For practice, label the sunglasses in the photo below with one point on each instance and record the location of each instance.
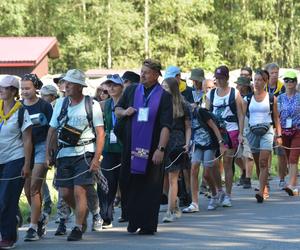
(104, 91)
(289, 80)
(115, 76)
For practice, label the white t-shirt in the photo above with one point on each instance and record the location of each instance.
(11, 143)
(259, 112)
(222, 109)
(77, 118)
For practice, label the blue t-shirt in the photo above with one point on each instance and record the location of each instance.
(40, 114)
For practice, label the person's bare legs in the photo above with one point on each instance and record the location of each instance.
(263, 166)
(173, 190)
(39, 171)
(195, 182)
(80, 204)
(227, 161)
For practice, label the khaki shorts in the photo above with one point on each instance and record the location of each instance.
(244, 150)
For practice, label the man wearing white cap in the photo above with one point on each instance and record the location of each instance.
(80, 139)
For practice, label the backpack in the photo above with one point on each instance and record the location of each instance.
(88, 103)
(271, 102)
(21, 116)
(231, 104)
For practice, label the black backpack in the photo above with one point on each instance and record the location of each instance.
(21, 116)
(88, 103)
(231, 104)
(271, 102)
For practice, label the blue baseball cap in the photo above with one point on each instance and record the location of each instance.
(116, 78)
(171, 71)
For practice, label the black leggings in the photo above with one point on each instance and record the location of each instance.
(109, 161)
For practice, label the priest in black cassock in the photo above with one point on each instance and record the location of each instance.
(146, 113)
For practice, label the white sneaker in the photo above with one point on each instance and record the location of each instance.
(213, 203)
(169, 217)
(220, 197)
(193, 208)
(177, 213)
(227, 201)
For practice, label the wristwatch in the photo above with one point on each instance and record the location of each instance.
(161, 149)
(278, 136)
(221, 141)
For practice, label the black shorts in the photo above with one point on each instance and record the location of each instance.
(67, 167)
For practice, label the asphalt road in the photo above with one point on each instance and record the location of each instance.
(273, 225)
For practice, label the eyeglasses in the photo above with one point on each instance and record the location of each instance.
(289, 80)
(115, 76)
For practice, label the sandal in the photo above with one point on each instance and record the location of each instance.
(289, 191)
(259, 198)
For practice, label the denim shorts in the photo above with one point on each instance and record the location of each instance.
(40, 153)
(263, 142)
(68, 167)
(205, 156)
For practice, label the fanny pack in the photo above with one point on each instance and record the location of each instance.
(289, 131)
(260, 129)
(70, 135)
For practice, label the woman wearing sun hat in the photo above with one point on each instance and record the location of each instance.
(289, 112)
(15, 157)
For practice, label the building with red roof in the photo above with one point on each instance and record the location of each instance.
(22, 55)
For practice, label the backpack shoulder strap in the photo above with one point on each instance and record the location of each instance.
(248, 99)
(64, 109)
(211, 99)
(271, 102)
(21, 116)
(232, 102)
(88, 103)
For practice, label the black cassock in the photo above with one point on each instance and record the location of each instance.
(141, 193)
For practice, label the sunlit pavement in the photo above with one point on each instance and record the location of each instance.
(275, 224)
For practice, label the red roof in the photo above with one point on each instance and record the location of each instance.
(26, 51)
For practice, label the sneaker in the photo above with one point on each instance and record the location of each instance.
(192, 208)
(247, 183)
(291, 191)
(221, 196)
(241, 181)
(106, 225)
(97, 223)
(169, 217)
(61, 229)
(177, 213)
(282, 184)
(203, 189)
(213, 203)
(41, 230)
(227, 201)
(31, 235)
(7, 244)
(75, 235)
(47, 208)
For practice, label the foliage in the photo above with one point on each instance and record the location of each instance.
(187, 33)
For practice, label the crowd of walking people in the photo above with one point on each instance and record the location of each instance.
(142, 142)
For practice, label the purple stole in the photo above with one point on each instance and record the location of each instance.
(141, 132)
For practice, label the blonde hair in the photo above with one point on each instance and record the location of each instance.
(178, 100)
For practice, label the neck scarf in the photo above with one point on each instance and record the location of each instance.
(3, 117)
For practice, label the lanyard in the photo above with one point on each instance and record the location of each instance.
(146, 99)
(114, 118)
(1, 124)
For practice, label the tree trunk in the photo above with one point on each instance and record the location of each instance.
(109, 59)
(146, 28)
